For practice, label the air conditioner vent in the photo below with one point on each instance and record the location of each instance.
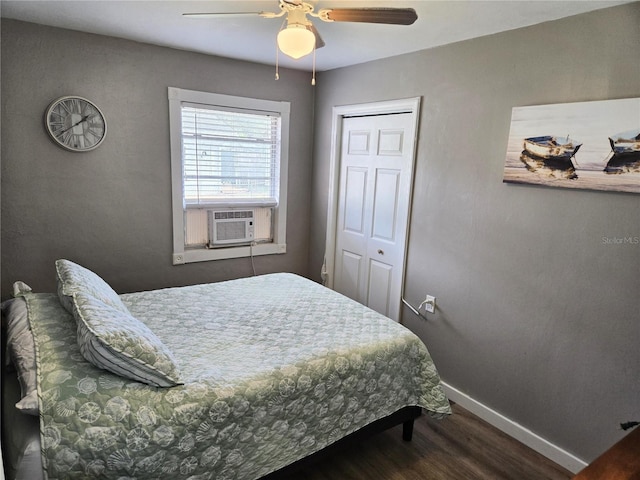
(229, 227)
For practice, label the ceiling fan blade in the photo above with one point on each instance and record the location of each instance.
(218, 14)
(394, 16)
(319, 41)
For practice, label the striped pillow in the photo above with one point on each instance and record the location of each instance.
(21, 349)
(116, 341)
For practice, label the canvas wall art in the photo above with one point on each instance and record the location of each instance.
(586, 145)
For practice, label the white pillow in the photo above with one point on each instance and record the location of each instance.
(74, 278)
(21, 349)
(118, 342)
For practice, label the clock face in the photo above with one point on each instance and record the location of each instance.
(75, 123)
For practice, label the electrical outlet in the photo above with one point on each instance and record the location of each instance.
(430, 304)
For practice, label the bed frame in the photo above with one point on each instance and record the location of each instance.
(405, 416)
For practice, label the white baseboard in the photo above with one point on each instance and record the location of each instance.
(515, 430)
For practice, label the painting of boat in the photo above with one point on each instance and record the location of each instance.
(548, 146)
(625, 142)
(593, 145)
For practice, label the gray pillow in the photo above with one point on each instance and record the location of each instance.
(116, 341)
(21, 350)
(74, 278)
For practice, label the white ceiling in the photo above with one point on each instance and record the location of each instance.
(250, 37)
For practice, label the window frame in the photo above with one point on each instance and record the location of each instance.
(182, 255)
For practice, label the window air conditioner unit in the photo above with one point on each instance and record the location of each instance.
(227, 227)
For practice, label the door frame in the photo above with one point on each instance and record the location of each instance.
(339, 113)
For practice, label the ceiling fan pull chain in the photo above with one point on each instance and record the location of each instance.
(277, 60)
(283, 25)
(313, 75)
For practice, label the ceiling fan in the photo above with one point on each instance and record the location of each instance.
(299, 37)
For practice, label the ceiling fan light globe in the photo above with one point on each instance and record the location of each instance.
(296, 41)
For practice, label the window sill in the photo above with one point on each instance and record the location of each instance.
(208, 254)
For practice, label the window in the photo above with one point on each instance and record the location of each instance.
(229, 168)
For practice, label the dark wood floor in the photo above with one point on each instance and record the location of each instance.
(461, 447)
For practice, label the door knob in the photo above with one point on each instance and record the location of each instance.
(380, 252)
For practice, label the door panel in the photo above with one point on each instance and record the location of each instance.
(350, 274)
(385, 204)
(390, 142)
(380, 277)
(355, 196)
(376, 169)
(359, 142)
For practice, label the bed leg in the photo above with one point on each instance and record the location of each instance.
(407, 430)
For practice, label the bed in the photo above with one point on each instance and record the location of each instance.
(232, 380)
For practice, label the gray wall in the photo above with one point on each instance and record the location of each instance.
(110, 209)
(538, 318)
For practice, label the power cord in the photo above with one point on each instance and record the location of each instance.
(253, 267)
(324, 274)
(422, 305)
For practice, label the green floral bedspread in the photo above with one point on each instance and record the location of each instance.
(276, 367)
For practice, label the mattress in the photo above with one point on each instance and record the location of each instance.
(275, 368)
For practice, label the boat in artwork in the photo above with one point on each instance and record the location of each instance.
(550, 156)
(548, 146)
(626, 153)
(625, 142)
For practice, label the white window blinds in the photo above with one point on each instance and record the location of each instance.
(229, 157)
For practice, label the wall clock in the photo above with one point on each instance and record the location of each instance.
(75, 123)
